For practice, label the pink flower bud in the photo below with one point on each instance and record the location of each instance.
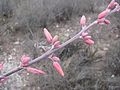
(112, 4)
(89, 42)
(1, 66)
(106, 21)
(55, 39)
(83, 21)
(48, 35)
(87, 37)
(35, 71)
(58, 68)
(55, 58)
(84, 34)
(56, 44)
(25, 60)
(99, 21)
(103, 14)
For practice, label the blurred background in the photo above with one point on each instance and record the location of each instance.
(95, 67)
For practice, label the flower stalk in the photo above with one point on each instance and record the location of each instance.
(26, 62)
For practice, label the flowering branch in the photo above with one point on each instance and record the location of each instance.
(55, 44)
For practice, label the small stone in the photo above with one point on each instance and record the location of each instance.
(117, 36)
(17, 42)
(10, 57)
(68, 30)
(28, 74)
(57, 25)
(16, 23)
(66, 34)
(105, 49)
(113, 76)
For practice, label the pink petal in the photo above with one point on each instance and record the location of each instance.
(89, 42)
(87, 37)
(25, 60)
(35, 71)
(101, 21)
(84, 34)
(55, 39)
(83, 21)
(106, 21)
(58, 68)
(103, 14)
(48, 35)
(112, 4)
(57, 44)
(55, 58)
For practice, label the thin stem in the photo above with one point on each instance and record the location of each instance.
(49, 52)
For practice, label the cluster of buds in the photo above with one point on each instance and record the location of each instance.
(56, 65)
(25, 61)
(112, 5)
(87, 39)
(102, 16)
(54, 41)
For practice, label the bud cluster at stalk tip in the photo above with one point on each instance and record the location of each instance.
(102, 16)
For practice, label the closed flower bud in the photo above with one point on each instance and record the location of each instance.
(83, 21)
(35, 71)
(106, 21)
(103, 14)
(56, 44)
(48, 35)
(58, 68)
(55, 58)
(55, 39)
(84, 34)
(25, 60)
(87, 37)
(112, 4)
(89, 42)
(99, 21)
